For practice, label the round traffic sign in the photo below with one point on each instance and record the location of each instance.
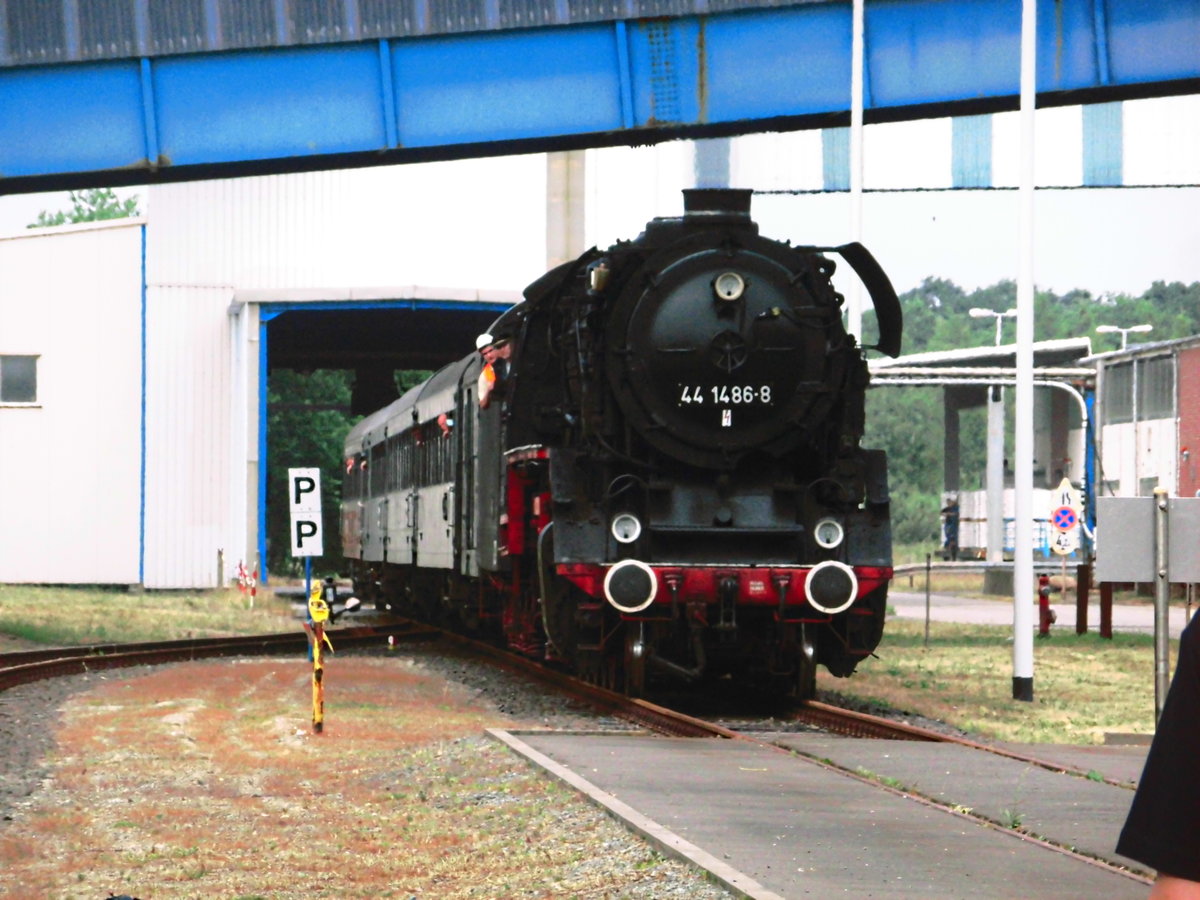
(1064, 518)
(1065, 543)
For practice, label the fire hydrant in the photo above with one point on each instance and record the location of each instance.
(1046, 616)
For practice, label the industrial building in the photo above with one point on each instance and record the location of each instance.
(134, 352)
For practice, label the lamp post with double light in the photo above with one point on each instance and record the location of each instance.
(979, 312)
(1124, 332)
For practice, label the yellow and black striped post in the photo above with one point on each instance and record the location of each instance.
(318, 615)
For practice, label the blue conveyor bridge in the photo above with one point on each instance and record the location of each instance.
(123, 92)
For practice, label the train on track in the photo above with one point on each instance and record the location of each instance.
(667, 479)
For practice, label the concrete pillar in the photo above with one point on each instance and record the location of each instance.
(950, 442)
(565, 195)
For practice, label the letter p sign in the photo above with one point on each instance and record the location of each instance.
(304, 498)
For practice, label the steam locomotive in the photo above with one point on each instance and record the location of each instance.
(668, 482)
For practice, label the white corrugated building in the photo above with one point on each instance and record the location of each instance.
(70, 457)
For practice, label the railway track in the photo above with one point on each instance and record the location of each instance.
(22, 667)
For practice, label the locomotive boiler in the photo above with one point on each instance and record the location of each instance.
(669, 482)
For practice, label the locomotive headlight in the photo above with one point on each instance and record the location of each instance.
(626, 528)
(829, 533)
(729, 286)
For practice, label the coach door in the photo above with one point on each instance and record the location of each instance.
(464, 464)
(404, 515)
(375, 510)
(434, 499)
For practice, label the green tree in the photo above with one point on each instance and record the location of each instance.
(308, 417)
(92, 205)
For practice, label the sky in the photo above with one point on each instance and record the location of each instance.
(1111, 240)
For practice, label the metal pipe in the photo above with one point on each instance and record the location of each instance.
(928, 568)
(1022, 680)
(1047, 372)
(878, 381)
(995, 474)
(1162, 592)
(857, 93)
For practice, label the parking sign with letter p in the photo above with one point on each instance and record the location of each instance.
(304, 500)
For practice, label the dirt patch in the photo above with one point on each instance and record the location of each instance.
(205, 780)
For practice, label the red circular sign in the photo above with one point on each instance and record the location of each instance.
(1064, 518)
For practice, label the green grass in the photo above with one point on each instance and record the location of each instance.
(73, 615)
(1084, 686)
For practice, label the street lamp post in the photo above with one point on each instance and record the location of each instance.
(1114, 329)
(979, 312)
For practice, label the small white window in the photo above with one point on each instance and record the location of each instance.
(18, 379)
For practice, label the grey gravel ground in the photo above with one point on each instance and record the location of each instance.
(28, 719)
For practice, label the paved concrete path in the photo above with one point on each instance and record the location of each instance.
(773, 825)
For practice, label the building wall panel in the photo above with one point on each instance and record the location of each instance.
(1189, 422)
(1157, 441)
(70, 465)
(188, 402)
(461, 224)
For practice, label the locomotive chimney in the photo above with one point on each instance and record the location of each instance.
(717, 201)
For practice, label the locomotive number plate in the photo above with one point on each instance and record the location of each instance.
(724, 395)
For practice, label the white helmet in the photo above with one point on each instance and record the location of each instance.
(484, 340)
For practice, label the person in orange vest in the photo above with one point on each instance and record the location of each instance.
(496, 352)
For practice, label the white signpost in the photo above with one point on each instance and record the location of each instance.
(304, 500)
(1064, 518)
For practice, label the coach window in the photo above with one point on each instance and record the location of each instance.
(377, 471)
(18, 379)
(393, 462)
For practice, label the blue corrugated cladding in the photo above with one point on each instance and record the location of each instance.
(1103, 145)
(971, 152)
(835, 159)
(521, 84)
